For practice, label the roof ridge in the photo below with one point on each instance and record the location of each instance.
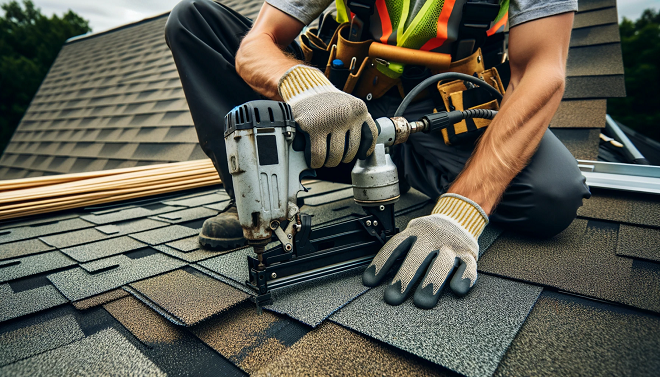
(117, 28)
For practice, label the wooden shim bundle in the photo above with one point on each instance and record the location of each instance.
(31, 196)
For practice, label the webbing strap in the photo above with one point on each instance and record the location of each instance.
(477, 18)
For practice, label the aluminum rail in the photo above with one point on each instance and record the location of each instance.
(635, 155)
(625, 177)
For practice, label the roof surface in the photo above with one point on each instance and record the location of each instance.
(114, 99)
(129, 281)
(125, 288)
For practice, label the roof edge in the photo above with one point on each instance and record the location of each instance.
(120, 27)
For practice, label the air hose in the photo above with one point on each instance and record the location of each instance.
(443, 119)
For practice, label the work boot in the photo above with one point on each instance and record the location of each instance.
(223, 232)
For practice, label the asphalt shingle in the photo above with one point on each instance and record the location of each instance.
(174, 350)
(621, 206)
(187, 297)
(582, 260)
(331, 350)
(185, 245)
(126, 214)
(569, 336)
(104, 353)
(248, 339)
(468, 335)
(314, 301)
(32, 340)
(78, 283)
(99, 233)
(184, 215)
(581, 61)
(201, 200)
(595, 17)
(38, 230)
(595, 87)
(101, 249)
(580, 114)
(33, 264)
(638, 242)
(14, 305)
(148, 326)
(163, 235)
(232, 265)
(595, 35)
(582, 143)
(188, 256)
(23, 248)
(101, 299)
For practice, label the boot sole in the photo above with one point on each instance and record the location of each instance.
(221, 244)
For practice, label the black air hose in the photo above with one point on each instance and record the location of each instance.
(479, 113)
(443, 118)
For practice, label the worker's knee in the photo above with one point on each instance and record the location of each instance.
(556, 205)
(543, 200)
(183, 14)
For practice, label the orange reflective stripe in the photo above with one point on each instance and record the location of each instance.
(443, 20)
(498, 25)
(385, 23)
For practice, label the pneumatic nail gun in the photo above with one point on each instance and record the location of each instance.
(265, 153)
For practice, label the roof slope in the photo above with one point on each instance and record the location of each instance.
(114, 99)
(110, 100)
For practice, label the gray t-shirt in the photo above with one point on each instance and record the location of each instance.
(519, 10)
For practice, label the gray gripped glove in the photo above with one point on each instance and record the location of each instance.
(436, 244)
(336, 123)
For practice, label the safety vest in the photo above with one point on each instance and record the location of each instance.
(434, 28)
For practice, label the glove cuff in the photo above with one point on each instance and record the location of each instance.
(464, 211)
(302, 81)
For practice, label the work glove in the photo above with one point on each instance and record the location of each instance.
(334, 122)
(436, 244)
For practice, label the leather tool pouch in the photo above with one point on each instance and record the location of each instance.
(370, 82)
(352, 54)
(462, 95)
(316, 51)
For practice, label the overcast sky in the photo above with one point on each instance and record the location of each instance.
(106, 14)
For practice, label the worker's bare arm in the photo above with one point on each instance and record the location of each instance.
(260, 59)
(537, 51)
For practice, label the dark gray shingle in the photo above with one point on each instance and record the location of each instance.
(468, 335)
(79, 283)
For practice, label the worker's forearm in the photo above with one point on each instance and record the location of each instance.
(261, 63)
(512, 138)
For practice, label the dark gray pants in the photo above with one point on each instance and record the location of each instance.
(204, 37)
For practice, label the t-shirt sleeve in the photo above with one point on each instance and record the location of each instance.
(304, 11)
(527, 10)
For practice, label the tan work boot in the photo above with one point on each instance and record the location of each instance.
(223, 232)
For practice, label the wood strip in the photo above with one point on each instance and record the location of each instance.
(133, 179)
(22, 183)
(32, 196)
(106, 193)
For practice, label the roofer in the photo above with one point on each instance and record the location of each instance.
(512, 171)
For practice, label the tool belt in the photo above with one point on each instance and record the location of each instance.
(369, 70)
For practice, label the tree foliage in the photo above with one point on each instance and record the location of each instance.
(640, 42)
(29, 43)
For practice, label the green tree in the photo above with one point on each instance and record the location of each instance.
(29, 43)
(640, 42)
